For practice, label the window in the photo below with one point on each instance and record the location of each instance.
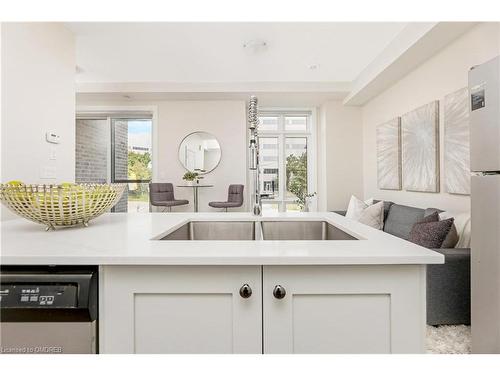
(295, 167)
(131, 162)
(268, 123)
(285, 159)
(296, 123)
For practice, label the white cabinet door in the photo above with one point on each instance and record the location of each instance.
(344, 309)
(180, 309)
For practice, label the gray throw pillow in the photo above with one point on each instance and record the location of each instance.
(430, 234)
(451, 239)
(430, 218)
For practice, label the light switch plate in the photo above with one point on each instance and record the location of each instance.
(53, 153)
(48, 172)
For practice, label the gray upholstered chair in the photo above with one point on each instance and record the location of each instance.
(234, 198)
(161, 194)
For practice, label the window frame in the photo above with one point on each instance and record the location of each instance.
(282, 134)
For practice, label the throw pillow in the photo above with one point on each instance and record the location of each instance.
(451, 238)
(373, 216)
(461, 227)
(430, 218)
(430, 234)
(464, 237)
(370, 201)
(356, 207)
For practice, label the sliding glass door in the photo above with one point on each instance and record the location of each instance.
(131, 161)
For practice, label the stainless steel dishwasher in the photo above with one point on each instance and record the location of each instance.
(48, 309)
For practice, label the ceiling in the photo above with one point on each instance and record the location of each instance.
(214, 52)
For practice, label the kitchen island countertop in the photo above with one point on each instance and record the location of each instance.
(128, 239)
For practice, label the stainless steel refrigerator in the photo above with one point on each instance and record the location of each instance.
(484, 89)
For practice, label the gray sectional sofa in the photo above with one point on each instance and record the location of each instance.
(448, 284)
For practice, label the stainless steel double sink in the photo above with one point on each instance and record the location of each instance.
(257, 230)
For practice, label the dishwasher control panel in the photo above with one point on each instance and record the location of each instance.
(13, 295)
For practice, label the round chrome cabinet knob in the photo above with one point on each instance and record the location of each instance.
(245, 291)
(279, 292)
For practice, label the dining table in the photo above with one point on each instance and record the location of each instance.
(195, 187)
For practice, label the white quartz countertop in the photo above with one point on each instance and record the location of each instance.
(127, 239)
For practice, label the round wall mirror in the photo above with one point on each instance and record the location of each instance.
(200, 152)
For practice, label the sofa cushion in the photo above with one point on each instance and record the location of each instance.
(452, 238)
(429, 218)
(373, 216)
(387, 207)
(400, 220)
(431, 210)
(430, 234)
(434, 214)
(461, 225)
(356, 207)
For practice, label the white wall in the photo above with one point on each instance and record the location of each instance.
(444, 73)
(225, 119)
(340, 153)
(38, 94)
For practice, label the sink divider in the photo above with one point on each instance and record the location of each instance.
(191, 231)
(258, 235)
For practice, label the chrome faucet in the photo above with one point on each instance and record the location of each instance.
(253, 125)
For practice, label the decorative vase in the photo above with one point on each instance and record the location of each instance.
(307, 204)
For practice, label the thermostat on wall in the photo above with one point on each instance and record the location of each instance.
(52, 137)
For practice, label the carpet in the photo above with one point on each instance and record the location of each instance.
(448, 339)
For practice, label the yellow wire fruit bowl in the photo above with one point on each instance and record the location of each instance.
(60, 205)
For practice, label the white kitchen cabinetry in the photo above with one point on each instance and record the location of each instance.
(344, 309)
(292, 309)
(179, 309)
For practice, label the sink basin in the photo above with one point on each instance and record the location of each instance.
(214, 231)
(302, 230)
(256, 230)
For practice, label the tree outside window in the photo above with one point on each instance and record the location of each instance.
(139, 168)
